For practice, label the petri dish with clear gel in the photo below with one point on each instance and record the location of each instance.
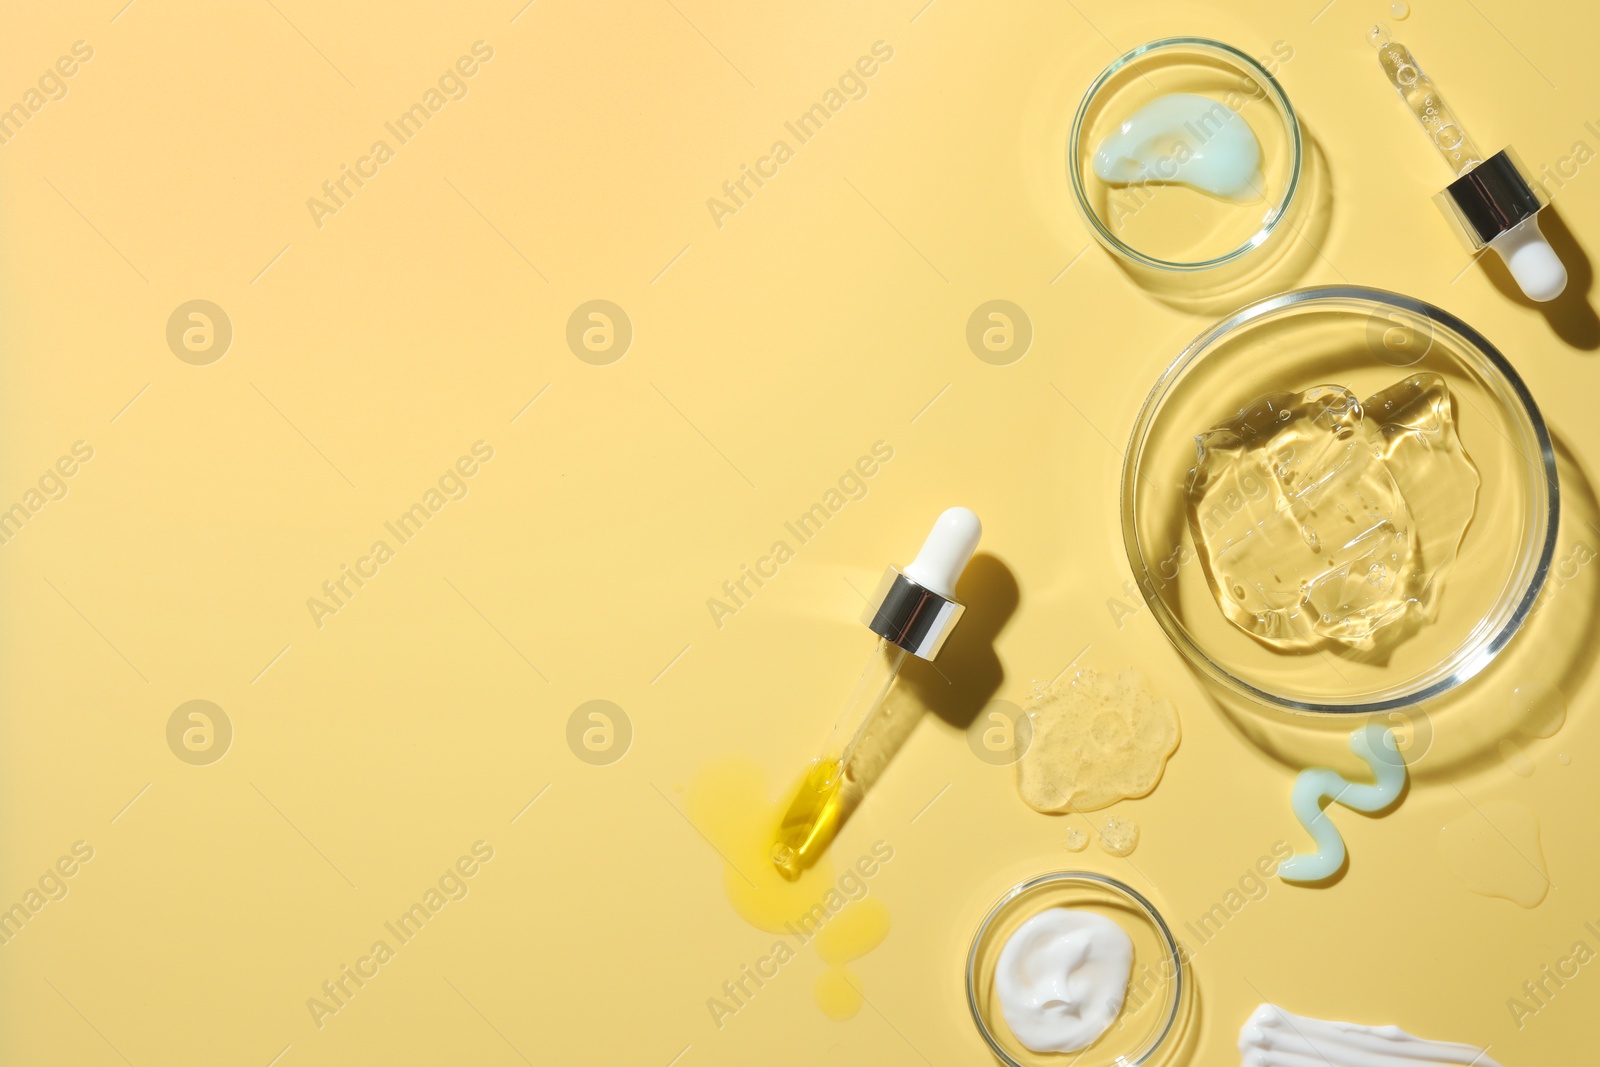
(1364, 340)
(1147, 1027)
(1153, 221)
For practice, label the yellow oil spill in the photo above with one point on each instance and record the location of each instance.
(729, 801)
(858, 931)
(1494, 850)
(837, 994)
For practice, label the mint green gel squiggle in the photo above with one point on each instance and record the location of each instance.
(1377, 746)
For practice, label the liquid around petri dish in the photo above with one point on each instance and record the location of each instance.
(1322, 519)
(1494, 850)
(1512, 755)
(1539, 709)
(1097, 739)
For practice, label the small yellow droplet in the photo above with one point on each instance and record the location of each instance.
(836, 995)
(1399, 9)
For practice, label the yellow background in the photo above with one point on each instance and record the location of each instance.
(768, 354)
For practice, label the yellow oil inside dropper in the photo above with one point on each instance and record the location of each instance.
(812, 819)
(912, 612)
(836, 781)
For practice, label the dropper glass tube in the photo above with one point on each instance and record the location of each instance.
(1493, 201)
(912, 612)
(833, 783)
(1424, 102)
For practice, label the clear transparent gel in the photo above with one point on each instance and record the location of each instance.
(1097, 739)
(1322, 519)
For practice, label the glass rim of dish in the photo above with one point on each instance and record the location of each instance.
(1118, 888)
(1256, 71)
(1489, 360)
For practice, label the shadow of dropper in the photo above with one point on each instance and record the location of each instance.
(1570, 315)
(969, 672)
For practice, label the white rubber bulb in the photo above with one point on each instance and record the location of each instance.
(1531, 260)
(944, 555)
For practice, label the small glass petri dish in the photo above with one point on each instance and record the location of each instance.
(1365, 340)
(1155, 991)
(1161, 224)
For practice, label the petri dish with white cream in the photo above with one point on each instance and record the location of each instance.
(1075, 967)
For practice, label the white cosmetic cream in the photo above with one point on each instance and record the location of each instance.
(1187, 139)
(1272, 1037)
(1061, 979)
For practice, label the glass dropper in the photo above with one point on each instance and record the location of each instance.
(912, 612)
(1424, 101)
(1492, 202)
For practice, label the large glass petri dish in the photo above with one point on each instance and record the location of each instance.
(1365, 340)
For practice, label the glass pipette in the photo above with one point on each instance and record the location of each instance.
(912, 612)
(1493, 202)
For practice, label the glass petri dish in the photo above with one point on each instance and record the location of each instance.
(1165, 225)
(1155, 991)
(1365, 340)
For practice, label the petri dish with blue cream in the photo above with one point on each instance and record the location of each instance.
(1185, 154)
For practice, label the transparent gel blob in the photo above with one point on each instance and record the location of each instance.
(1097, 739)
(1323, 519)
(1119, 836)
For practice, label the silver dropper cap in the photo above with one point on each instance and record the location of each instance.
(916, 608)
(1491, 199)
